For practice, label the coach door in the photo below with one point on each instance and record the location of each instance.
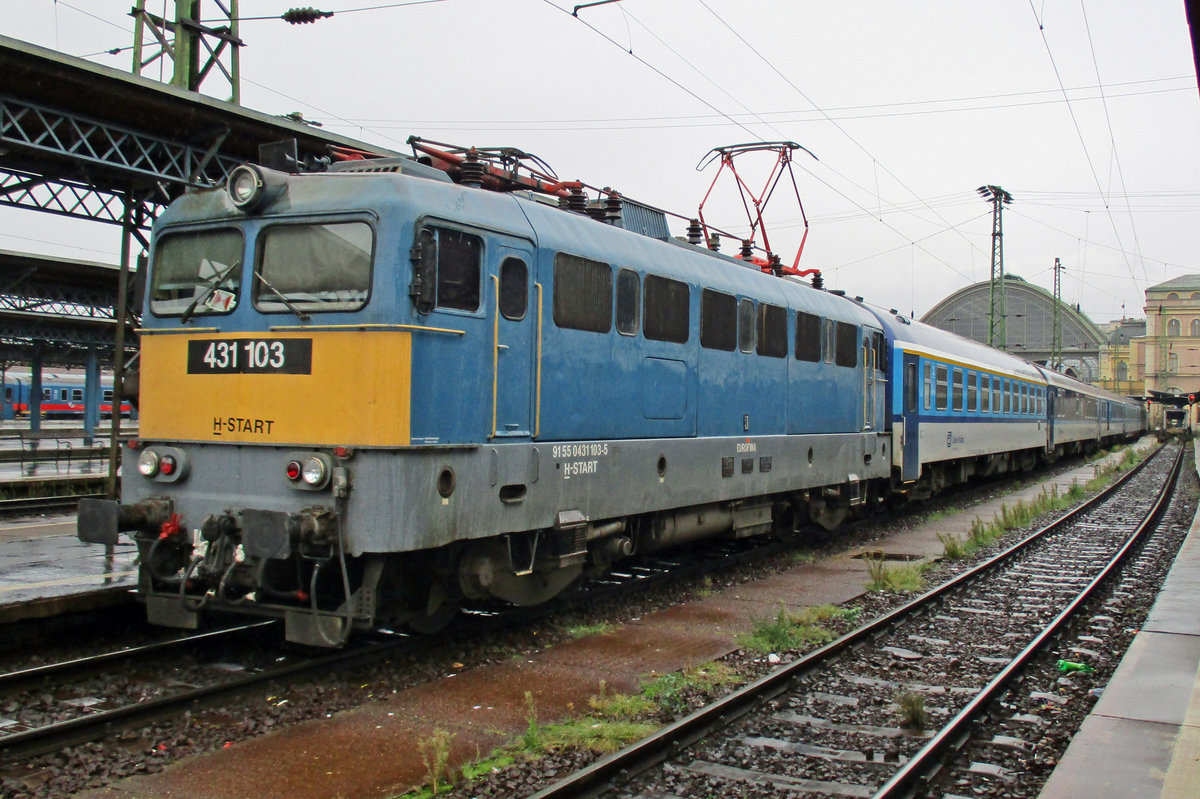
(514, 332)
(911, 463)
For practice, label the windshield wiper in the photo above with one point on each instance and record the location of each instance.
(299, 313)
(209, 288)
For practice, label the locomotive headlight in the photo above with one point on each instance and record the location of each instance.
(314, 472)
(250, 187)
(308, 471)
(147, 463)
(245, 186)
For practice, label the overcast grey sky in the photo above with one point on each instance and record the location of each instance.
(1087, 112)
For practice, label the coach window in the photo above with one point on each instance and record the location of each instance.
(665, 313)
(327, 267)
(746, 325)
(910, 387)
(718, 320)
(957, 385)
(583, 293)
(514, 289)
(847, 345)
(985, 393)
(772, 331)
(77, 395)
(943, 387)
(972, 392)
(808, 337)
(929, 384)
(629, 306)
(198, 272)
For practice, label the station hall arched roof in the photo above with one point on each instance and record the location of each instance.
(1029, 311)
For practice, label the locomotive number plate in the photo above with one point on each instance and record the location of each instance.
(288, 356)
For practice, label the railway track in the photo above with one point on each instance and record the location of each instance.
(86, 698)
(828, 723)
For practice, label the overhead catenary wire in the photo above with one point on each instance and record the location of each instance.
(1113, 141)
(1083, 144)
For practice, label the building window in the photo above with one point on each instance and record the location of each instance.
(1122, 371)
(1173, 363)
(1172, 296)
(1173, 327)
(1195, 329)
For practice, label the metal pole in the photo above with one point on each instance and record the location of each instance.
(1056, 343)
(114, 444)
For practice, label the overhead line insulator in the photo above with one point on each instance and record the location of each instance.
(303, 16)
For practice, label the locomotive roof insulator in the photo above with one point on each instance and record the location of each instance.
(695, 233)
(577, 200)
(471, 172)
(613, 208)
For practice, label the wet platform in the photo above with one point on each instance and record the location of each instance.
(1142, 739)
(45, 570)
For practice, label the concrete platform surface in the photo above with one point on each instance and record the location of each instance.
(42, 564)
(1142, 739)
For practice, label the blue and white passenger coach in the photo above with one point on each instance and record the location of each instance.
(960, 409)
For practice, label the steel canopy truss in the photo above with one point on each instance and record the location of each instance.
(68, 198)
(91, 145)
(58, 301)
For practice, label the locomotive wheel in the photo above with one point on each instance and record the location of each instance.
(439, 612)
(435, 621)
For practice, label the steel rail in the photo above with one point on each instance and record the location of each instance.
(85, 728)
(619, 767)
(924, 763)
(63, 668)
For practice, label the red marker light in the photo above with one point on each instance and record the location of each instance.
(167, 465)
(293, 470)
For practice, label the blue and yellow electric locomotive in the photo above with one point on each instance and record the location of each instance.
(372, 393)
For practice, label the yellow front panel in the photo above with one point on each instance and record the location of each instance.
(357, 393)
